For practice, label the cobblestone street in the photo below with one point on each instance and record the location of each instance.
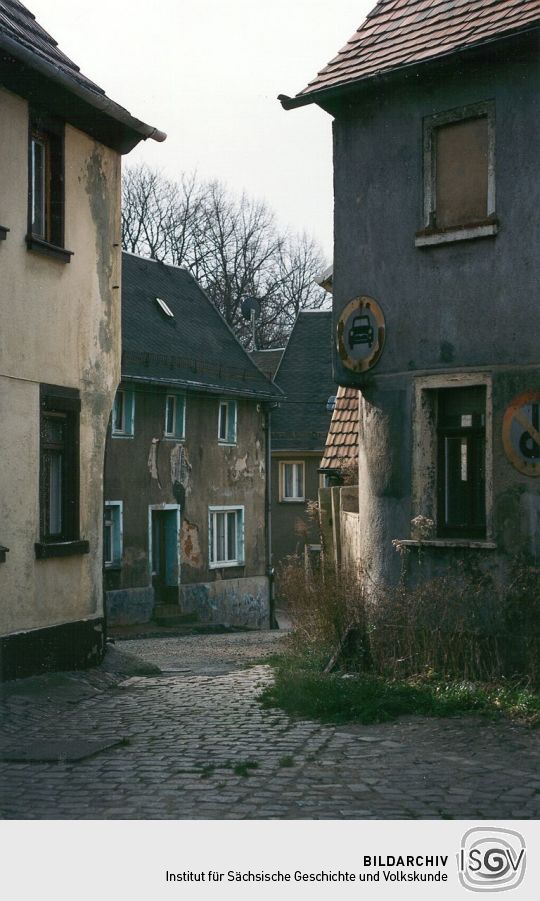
(199, 746)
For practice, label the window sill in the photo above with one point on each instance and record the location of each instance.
(480, 543)
(178, 438)
(227, 443)
(121, 435)
(38, 245)
(46, 550)
(228, 565)
(3, 232)
(112, 567)
(292, 500)
(429, 237)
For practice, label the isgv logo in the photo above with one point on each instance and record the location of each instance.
(491, 859)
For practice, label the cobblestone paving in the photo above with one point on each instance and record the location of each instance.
(200, 747)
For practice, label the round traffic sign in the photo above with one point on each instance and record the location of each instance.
(521, 433)
(360, 334)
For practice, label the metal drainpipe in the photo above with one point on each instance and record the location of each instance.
(268, 511)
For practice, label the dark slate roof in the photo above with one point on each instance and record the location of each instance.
(33, 65)
(341, 450)
(305, 377)
(267, 360)
(195, 348)
(398, 33)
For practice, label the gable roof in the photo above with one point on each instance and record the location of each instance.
(194, 348)
(398, 33)
(267, 360)
(305, 377)
(341, 449)
(33, 65)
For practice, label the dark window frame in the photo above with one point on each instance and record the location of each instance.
(473, 438)
(60, 403)
(50, 239)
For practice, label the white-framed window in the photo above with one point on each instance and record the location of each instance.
(459, 174)
(112, 533)
(291, 480)
(225, 536)
(452, 461)
(227, 422)
(123, 416)
(175, 416)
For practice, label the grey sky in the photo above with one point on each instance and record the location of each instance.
(208, 73)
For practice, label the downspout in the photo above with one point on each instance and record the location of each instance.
(268, 512)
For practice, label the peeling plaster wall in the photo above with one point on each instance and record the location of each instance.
(463, 307)
(238, 602)
(60, 325)
(149, 470)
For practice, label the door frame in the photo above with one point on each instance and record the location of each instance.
(163, 508)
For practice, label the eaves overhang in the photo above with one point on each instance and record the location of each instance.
(326, 98)
(34, 77)
(204, 387)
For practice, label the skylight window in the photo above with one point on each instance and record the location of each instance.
(165, 307)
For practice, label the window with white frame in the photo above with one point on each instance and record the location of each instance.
(227, 422)
(112, 533)
(175, 416)
(226, 536)
(123, 416)
(291, 479)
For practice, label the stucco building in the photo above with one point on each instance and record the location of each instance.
(299, 429)
(62, 140)
(186, 490)
(436, 271)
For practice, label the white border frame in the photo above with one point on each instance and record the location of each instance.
(228, 508)
(151, 508)
(120, 505)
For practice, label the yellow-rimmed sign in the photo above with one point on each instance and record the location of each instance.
(521, 433)
(360, 334)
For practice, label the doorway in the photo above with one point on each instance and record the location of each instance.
(164, 547)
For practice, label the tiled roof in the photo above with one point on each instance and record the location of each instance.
(32, 65)
(19, 23)
(194, 347)
(397, 33)
(342, 442)
(305, 377)
(267, 360)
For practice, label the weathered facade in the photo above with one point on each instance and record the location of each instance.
(59, 344)
(436, 136)
(186, 465)
(299, 428)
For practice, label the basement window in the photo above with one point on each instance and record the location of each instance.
(226, 536)
(459, 175)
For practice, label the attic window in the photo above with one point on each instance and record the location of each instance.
(165, 307)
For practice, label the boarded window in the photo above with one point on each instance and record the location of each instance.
(461, 172)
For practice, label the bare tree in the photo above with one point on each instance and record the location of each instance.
(232, 246)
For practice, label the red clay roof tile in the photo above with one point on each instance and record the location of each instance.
(399, 32)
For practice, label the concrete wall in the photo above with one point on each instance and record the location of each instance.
(60, 324)
(148, 470)
(458, 308)
(292, 528)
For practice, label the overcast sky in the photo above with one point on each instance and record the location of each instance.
(208, 73)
